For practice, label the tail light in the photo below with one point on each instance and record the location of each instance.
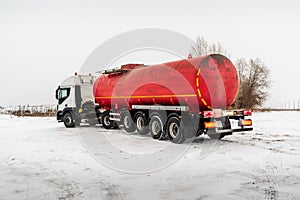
(246, 122)
(208, 114)
(208, 125)
(247, 112)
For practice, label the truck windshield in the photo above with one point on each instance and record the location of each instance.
(62, 94)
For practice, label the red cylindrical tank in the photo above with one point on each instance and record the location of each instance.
(201, 83)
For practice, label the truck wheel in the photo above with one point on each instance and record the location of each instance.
(156, 127)
(174, 130)
(141, 123)
(127, 122)
(68, 120)
(106, 123)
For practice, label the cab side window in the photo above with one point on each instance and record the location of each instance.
(63, 94)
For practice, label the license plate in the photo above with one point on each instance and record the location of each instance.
(234, 124)
(219, 124)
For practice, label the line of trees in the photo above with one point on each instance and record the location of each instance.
(254, 75)
(27, 110)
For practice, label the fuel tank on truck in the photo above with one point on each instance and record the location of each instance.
(202, 83)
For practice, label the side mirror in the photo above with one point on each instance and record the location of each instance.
(56, 92)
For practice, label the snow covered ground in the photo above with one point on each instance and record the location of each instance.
(41, 159)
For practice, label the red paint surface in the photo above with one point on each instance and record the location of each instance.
(172, 83)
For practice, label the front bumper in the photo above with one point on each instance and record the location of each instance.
(59, 116)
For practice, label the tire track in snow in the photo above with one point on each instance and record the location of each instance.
(272, 182)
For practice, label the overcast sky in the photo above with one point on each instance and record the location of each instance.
(43, 42)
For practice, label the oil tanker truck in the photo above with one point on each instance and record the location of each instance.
(175, 100)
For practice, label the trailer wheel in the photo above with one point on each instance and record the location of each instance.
(141, 123)
(106, 123)
(68, 120)
(156, 127)
(175, 130)
(127, 122)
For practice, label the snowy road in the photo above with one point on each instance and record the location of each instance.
(40, 159)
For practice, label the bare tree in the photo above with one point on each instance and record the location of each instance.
(254, 83)
(202, 47)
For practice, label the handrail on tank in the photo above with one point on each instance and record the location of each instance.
(123, 69)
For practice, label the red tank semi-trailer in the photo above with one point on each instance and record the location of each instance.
(178, 99)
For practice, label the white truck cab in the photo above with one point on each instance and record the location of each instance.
(76, 103)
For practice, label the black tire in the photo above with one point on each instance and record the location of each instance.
(127, 122)
(68, 120)
(156, 127)
(175, 130)
(141, 123)
(106, 123)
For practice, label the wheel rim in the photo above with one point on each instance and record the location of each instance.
(68, 120)
(155, 127)
(106, 121)
(173, 130)
(140, 123)
(126, 121)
